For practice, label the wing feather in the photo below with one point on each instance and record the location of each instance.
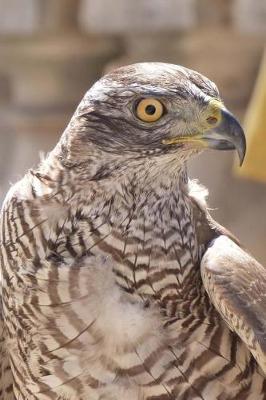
(236, 285)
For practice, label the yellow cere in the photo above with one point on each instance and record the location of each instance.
(149, 110)
(213, 111)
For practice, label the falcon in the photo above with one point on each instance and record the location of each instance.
(116, 283)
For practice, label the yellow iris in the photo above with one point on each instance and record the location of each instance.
(149, 110)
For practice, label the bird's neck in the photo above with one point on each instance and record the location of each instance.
(131, 180)
(126, 173)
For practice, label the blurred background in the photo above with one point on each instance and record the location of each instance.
(52, 50)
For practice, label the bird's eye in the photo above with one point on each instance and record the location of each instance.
(149, 110)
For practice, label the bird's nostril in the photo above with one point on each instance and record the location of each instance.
(212, 120)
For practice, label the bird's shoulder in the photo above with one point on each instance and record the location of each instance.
(30, 203)
(207, 228)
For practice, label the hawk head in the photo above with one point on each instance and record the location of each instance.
(155, 113)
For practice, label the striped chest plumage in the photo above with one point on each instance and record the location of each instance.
(114, 305)
(151, 247)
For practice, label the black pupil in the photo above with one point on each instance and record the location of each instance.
(150, 109)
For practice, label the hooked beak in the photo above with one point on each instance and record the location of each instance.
(227, 135)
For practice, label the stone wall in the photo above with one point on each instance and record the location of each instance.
(46, 64)
(51, 51)
(137, 16)
(250, 16)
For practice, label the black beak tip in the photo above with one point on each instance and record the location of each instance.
(234, 134)
(241, 149)
(241, 156)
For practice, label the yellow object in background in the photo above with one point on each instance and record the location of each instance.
(254, 166)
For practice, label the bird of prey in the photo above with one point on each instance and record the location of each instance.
(116, 283)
